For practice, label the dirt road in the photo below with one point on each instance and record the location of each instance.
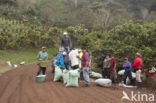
(19, 86)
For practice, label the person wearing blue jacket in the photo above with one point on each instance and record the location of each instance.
(60, 61)
(128, 73)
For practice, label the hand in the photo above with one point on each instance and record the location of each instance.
(85, 68)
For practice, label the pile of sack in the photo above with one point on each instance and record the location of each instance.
(70, 77)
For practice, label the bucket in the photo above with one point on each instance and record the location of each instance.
(40, 78)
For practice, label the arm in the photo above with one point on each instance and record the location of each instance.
(69, 42)
(62, 42)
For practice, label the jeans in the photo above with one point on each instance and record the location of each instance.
(67, 67)
(128, 74)
(67, 49)
(106, 73)
(86, 76)
(113, 76)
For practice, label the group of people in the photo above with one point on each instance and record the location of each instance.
(109, 69)
(73, 59)
(70, 58)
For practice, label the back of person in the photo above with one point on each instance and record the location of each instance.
(73, 57)
(66, 60)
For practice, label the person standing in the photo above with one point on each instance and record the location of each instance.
(66, 42)
(137, 69)
(113, 74)
(66, 60)
(85, 67)
(74, 58)
(128, 73)
(42, 58)
(106, 67)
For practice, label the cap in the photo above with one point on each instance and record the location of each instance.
(138, 54)
(64, 53)
(125, 58)
(65, 33)
(43, 47)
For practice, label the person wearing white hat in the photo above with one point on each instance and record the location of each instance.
(42, 58)
(66, 42)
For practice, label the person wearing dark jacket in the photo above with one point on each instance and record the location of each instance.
(137, 69)
(66, 42)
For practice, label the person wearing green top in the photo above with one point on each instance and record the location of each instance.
(42, 58)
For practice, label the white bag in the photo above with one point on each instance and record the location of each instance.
(104, 82)
(121, 72)
(58, 74)
(65, 76)
(95, 75)
(73, 78)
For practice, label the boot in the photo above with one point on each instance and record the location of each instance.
(139, 85)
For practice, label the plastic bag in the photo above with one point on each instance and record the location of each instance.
(73, 78)
(121, 72)
(58, 74)
(65, 76)
(95, 75)
(104, 82)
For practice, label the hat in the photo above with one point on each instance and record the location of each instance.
(125, 58)
(64, 53)
(65, 33)
(43, 47)
(138, 54)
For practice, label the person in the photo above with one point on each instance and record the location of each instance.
(42, 58)
(106, 67)
(137, 69)
(127, 73)
(60, 61)
(113, 74)
(74, 58)
(85, 66)
(66, 60)
(66, 42)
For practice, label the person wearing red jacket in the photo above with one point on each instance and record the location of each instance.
(137, 69)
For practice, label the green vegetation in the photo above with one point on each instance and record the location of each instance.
(119, 27)
(27, 55)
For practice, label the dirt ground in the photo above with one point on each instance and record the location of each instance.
(19, 86)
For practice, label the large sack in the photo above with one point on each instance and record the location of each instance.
(58, 73)
(65, 76)
(121, 72)
(104, 82)
(73, 78)
(95, 75)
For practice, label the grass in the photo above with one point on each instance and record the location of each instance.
(28, 55)
(4, 67)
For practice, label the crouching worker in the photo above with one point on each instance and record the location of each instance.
(85, 67)
(137, 69)
(128, 73)
(43, 61)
